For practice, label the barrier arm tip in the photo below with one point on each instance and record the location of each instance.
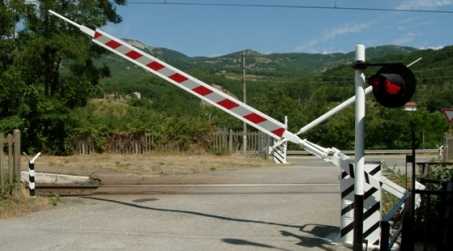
(32, 161)
(82, 28)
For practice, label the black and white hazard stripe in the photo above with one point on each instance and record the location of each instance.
(279, 154)
(31, 179)
(372, 203)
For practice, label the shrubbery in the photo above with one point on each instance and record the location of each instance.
(102, 118)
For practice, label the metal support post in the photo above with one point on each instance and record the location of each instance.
(359, 148)
(411, 232)
(385, 236)
(244, 99)
(414, 174)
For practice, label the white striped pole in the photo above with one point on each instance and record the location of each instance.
(279, 153)
(359, 148)
(31, 178)
(31, 175)
(347, 203)
(372, 205)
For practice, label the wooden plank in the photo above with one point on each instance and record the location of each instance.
(17, 154)
(2, 181)
(10, 168)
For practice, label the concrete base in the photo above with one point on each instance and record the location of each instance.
(57, 179)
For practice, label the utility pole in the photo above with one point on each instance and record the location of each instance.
(244, 99)
(359, 147)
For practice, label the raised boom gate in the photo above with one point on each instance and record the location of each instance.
(374, 182)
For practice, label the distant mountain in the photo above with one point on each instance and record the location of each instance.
(293, 63)
(275, 64)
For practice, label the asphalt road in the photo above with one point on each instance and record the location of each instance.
(281, 208)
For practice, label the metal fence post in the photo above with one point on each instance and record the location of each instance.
(447, 217)
(407, 240)
(385, 236)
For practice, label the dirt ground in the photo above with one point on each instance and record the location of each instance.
(146, 165)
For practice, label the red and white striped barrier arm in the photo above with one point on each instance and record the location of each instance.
(188, 83)
(191, 84)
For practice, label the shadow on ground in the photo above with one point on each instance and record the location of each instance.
(314, 235)
(220, 217)
(251, 243)
(311, 242)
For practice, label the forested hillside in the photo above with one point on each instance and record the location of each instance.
(303, 86)
(57, 87)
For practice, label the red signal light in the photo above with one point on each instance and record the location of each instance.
(393, 85)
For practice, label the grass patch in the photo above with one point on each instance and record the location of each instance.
(54, 199)
(20, 204)
(439, 173)
(389, 200)
(146, 164)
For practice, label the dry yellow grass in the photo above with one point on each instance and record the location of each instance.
(148, 164)
(20, 204)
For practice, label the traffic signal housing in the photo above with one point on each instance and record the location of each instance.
(393, 85)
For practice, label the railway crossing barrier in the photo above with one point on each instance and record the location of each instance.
(367, 177)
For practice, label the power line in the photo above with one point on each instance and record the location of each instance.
(287, 6)
(443, 68)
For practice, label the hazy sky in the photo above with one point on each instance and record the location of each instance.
(210, 31)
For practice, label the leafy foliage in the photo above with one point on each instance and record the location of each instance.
(47, 67)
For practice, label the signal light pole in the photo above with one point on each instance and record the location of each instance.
(359, 80)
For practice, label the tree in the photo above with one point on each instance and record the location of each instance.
(10, 83)
(51, 68)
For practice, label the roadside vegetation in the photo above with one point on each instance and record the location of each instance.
(57, 86)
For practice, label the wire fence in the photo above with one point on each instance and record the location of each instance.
(220, 142)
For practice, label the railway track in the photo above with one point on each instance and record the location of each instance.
(66, 189)
(74, 190)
